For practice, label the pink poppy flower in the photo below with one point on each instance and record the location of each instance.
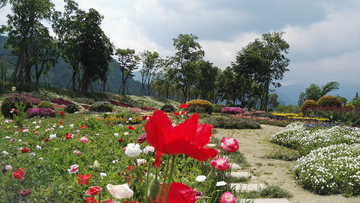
(229, 144)
(73, 169)
(84, 140)
(227, 197)
(220, 164)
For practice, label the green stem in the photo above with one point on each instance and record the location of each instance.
(173, 161)
(166, 171)
(147, 180)
(99, 187)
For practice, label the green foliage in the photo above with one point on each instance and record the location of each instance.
(218, 107)
(199, 106)
(10, 103)
(46, 104)
(329, 100)
(72, 108)
(20, 116)
(168, 108)
(355, 101)
(233, 123)
(307, 104)
(98, 107)
(127, 62)
(288, 109)
(350, 106)
(84, 100)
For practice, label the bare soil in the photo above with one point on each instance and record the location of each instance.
(255, 145)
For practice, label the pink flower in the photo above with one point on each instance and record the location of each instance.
(220, 164)
(73, 169)
(84, 140)
(148, 149)
(77, 152)
(229, 144)
(93, 190)
(227, 197)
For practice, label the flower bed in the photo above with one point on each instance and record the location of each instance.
(233, 110)
(61, 101)
(42, 112)
(296, 136)
(331, 170)
(120, 104)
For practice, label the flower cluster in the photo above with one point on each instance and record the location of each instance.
(42, 112)
(233, 110)
(61, 101)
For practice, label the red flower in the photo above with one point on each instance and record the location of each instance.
(229, 144)
(176, 113)
(108, 201)
(60, 122)
(46, 139)
(83, 179)
(82, 126)
(90, 200)
(24, 150)
(220, 164)
(130, 127)
(144, 117)
(19, 173)
(121, 140)
(68, 136)
(178, 193)
(183, 106)
(187, 138)
(141, 139)
(62, 113)
(111, 124)
(24, 193)
(93, 191)
(183, 112)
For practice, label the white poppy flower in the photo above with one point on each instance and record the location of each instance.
(120, 191)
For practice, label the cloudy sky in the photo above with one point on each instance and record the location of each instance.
(324, 36)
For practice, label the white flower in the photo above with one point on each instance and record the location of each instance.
(130, 119)
(52, 136)
(8, 167)
(221, 183)
(133, 150)
(102, 174)
(116, 134)
(126, 133)
(115, 161)
(139, 162)
(97, 134)
(201, 178)
(15, 126)
(26, 130)
(73, 169)
(71, 125)
(120, 191)
(41, 159)
(61, 126)
(19, 140)
(5, 153)
(7, 137)
(34, 122)
(148, 149)
(32, 154)
(38, 147)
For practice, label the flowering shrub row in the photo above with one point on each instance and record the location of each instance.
(233, 110)
(199, 105)
(42, 112)
(120, 104)
(61, 101)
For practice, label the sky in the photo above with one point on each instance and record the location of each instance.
(324, 36)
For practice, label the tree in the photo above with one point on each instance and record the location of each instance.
(84, 45)
(315, 93)
(273, 101)
(328, 87)
(188, 52)
(22, 28)
(127, 61)
(229, 87)
(302, 98)
(342, 99)
(3, 3)
(206, 83)
(150, 63)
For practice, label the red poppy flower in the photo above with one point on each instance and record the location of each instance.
(183, 112)
(108, 201)
(83, 179)
(19, 173)
(111, 124)
(187, 138)
(141, 139)
(90, 200)
(93, 190)
(46, 139)
(68, 136)
(121, 140)
(183, 106)
(144, 117)
(62, 113)
(178, 193)
(60, 122)
(130, 127)
(24, 193)
(82, 126)
(176, 113)
(24, 150)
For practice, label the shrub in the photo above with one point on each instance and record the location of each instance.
(218, 107)
(72, 108)
(233, 123)
(168, 108)
(232, 110)
(42, 112)
(61, 101)
(193, 105)
(46, 105)
(350, 106)
(307, 104)
(10, 103)
(101, 107)
(329, 100)
(32, 99)
(84, 100)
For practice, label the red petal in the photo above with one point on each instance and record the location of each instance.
(157, 158)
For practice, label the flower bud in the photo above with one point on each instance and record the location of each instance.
(154, 189)
(96, 166)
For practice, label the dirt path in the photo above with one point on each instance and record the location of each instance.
(254, 145)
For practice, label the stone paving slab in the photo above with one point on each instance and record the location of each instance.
(211, 145)
(240, 174)
(282, 200)
(235, 166)
(239, 187)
